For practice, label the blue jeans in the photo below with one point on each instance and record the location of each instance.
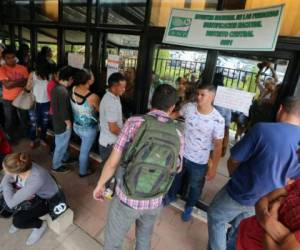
(13, 118)
(39, 117)
(87, 136)
(61, 148)
(195, 174)
(221, 211)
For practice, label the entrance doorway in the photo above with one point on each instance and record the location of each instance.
(234, 70)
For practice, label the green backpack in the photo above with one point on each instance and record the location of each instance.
(151, 160)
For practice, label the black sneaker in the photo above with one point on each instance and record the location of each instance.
(70, 161)
(62, 170)
(88, 172)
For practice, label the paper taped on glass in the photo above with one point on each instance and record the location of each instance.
(76, 60)
(234, 99)
(113, 65)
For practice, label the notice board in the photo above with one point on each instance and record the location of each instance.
(249, 30)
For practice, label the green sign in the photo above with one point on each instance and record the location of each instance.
(255, 29)
(180, 26)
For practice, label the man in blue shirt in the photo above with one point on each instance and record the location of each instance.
(262, 161)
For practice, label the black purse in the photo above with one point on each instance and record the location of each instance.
(5, 211)
(57, 204)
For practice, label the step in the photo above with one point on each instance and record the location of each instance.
(60, 224)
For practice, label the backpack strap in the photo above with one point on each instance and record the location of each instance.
(132, 148)
(153, 121)
(150, 121)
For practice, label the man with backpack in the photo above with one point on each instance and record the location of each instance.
(148, 151)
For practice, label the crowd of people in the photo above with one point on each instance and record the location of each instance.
(149, 157)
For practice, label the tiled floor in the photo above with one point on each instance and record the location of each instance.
(169, 233)
(74, 238)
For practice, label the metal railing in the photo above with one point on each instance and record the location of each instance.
(130, 62)
(171, 69)
(240, 79)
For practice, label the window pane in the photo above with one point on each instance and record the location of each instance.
(161, 9)
(4, 34)
(74, 42)
(46, 10)
(234, 4)
(94, 11)
(74, 11)
(7, 7)
(21, 10)
(126, 47)
(123, 12)
(48, 37)
(74, 37)
(26, 34)
(169, 65)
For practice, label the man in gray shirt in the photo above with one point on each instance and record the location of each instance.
(111, 118)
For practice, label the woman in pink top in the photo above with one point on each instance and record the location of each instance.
(50, 86)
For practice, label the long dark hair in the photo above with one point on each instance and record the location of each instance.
(45, 51)
(82, 76)
(22, 53)
(43, 69)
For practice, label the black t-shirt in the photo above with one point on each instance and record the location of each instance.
(60, 102)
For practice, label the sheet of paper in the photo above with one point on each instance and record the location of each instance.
(113, 64)
(76, 60)
(234, 99)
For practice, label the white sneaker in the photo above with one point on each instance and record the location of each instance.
(13, 229)
(36, 234)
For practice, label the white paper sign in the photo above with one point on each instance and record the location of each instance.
(255, 29)
(113, 64)
(234, 99)
(76, 60)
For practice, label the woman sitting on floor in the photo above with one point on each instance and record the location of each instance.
(26, 189)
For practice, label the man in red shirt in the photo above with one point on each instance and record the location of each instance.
(14, 78)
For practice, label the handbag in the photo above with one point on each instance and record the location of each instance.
(5, 211)
(57, 204)
(25, 100)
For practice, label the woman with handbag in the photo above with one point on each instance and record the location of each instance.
(39, 113)
(27, 188)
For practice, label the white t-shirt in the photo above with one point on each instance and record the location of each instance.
(110, 111)
(200, 131)
(40, 89)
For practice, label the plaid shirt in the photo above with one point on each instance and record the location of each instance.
(128, 132)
